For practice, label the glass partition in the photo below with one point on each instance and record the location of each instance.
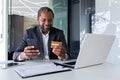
(107, 21)
(60, 8)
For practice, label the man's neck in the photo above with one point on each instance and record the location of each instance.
(45, 32)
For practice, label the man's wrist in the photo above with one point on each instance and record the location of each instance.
(20, 57)
(65, 57)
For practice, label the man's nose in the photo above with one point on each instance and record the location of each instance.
(47, 22)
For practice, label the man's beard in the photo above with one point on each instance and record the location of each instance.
(45, 29)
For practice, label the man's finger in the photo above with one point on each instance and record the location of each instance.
(29, 47)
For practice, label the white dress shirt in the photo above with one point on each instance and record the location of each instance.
(45, 45)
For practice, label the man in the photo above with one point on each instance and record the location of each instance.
(36, 42)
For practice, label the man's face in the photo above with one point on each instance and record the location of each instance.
(46, 21)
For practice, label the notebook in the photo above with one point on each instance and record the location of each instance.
(27, 71)
(93, 51)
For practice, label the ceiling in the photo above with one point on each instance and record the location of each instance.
(26, 8)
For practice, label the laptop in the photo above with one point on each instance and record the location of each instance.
(93, 51)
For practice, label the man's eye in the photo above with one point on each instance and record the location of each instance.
(50, 20)
(43, 20)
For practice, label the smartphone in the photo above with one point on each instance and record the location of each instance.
(32, 42)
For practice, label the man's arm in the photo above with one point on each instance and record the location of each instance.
(61, 51)
(21, 47)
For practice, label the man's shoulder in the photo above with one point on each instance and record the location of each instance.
(32, 28)
(56, 29)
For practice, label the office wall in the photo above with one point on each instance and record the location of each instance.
(107, 21)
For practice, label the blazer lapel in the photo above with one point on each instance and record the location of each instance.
(51, 38)
(49, 42)
(40, 41)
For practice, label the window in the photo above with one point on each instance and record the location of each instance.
(3, 30)
(1, 21)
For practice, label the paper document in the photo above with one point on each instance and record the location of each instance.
(41, 69)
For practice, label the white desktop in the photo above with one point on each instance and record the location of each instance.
(106, 71)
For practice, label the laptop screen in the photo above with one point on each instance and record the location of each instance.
(94, 50)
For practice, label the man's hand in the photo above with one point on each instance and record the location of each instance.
(59, 51)
(29, 52)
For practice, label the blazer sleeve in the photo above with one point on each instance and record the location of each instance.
(21, 47)
(62, 38)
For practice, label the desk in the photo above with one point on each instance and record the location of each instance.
(105, 71)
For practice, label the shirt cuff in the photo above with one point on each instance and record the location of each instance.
(19, 58)
(66, 57)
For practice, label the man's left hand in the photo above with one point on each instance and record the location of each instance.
(59, 51)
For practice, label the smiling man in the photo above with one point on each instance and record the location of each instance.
(36, 43)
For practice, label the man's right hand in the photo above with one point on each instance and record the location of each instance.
(29, 52)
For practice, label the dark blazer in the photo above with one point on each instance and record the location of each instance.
(33, 36)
